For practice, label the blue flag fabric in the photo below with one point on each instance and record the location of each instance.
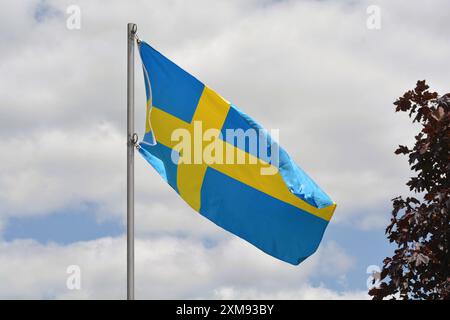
(248, 186)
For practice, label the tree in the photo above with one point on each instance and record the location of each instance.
(419, 227)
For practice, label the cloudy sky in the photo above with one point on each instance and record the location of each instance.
(313, 69)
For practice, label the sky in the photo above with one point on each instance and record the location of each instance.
(312, 69)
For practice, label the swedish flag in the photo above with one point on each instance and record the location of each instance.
(258, 194)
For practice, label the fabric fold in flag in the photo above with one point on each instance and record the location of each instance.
(226, 166)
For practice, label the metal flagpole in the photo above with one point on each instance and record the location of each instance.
(131, 141)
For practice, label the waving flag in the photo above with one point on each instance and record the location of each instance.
(226, 167)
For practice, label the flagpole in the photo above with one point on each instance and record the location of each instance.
(131, 140)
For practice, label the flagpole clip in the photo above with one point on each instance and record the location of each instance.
(134, 140)
(134, 35)
(133, 31)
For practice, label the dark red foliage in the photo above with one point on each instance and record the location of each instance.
(419, 268)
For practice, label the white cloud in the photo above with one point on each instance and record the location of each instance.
(305, 292)
(310, 68)
(56, 168)
(166, 267)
